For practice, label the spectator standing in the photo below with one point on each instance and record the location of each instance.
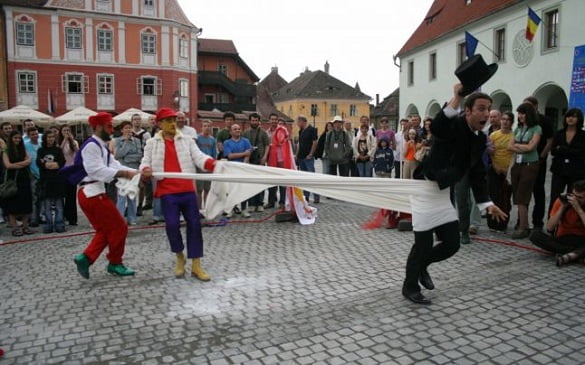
(525, 169)
(364, 148)
(69, 146)
(410, 147)
(568, 151)
(398, 151)
(385, 131)
(206, 143)
(238, 149)
(51, 184)
(276, 159)
(145, 194)
(184, 127)
(320, 148)
(128, 151)
(383, 158)
(351, 134)
(543, 148)
(338, 149)
(307, 146)
(16, 162)
(260, 148)
(228, 119)
(32, 146)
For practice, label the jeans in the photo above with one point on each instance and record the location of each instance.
(308, 164)
(35, 216)
(57, 223)
(127, 208)
(364, 168)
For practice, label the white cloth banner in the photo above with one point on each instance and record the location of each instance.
(235, 182)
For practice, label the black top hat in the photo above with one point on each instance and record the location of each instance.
(473, 73)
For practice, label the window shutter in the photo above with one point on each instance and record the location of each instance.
(85, 84)
(139, 86)
(158, 86)
(64, 83)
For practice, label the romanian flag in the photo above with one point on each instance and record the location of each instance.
(532, 25)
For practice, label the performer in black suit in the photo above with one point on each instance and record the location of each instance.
(457, 150)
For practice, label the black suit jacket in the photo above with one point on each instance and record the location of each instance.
(456, 150)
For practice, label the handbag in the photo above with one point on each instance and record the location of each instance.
(420, 154)
(8, 188)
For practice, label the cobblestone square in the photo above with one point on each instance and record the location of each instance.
(282, 293)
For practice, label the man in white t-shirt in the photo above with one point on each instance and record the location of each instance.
(183, 126)
(399, 146)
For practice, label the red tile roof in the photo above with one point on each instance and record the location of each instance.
(217, 46)
(445, 16)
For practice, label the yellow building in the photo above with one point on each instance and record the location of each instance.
(320, 96)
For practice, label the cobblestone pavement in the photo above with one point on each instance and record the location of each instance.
(282, 293)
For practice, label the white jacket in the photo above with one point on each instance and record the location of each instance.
(189, 155)
(371, 145)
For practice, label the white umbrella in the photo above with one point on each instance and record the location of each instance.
(76, 116)
(20, 113)
(127, 116)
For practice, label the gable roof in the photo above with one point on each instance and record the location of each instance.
(223, 47)
(389, 106)
(445, 16)
(317, 85)
(24, 3)
(273, 81)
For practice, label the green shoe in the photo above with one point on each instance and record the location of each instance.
(83, 264)
(465, 239)
(120, 270)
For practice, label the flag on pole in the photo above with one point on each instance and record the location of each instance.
(532, 24)
(470, 44)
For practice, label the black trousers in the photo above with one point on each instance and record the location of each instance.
(539, 195)
(560, 245)
(70, 207)
(423, 253)
(343, 168)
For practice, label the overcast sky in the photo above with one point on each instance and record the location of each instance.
(357, 38)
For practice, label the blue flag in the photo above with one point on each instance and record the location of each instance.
(470, 44)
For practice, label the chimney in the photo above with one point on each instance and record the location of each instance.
(326, 68)
(377, 99)
(274, 69)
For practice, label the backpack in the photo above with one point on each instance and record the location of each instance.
(337, 149)
(75, 173)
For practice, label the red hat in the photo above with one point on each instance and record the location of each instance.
(101, 118)
(165, 113)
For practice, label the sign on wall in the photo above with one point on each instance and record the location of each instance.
(577, 96)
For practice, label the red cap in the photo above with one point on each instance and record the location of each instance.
(165, 113)
(101, 118)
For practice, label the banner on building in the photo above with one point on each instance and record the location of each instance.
(577, 95)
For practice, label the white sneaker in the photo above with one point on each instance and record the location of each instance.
(260, 208)
(245, 213)
(230, 214)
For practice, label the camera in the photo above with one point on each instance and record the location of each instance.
(564, 198)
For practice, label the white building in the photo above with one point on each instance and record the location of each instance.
(541, 68)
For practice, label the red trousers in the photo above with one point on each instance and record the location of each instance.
(110, 227)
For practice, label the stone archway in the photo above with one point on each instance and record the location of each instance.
(432, 109)
(501, 101)
(411, 109)
(552, 102)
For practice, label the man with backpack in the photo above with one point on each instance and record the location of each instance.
(337, 148)
(110, 227)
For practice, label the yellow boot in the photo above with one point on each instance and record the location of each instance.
(180, 269)
(198, 272)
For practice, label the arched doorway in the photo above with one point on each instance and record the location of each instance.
(432, 109)
(501, 101)
(553, 102)
(411, 109)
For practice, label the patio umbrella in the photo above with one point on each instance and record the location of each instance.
(20, 113)
(127, 116)
(76, 116)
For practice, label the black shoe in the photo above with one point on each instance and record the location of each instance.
(425, 280)
(416, 297)
(139, 212)
(269, 206)
(237, 210)
(147, 207)
(33, 224)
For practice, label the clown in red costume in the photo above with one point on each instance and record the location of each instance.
(171, 151)
(110, 227)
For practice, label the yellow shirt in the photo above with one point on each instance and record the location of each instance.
(502, 157)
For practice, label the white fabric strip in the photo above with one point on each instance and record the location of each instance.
(235, 182)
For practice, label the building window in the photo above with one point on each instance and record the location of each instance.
(75, 83)
(433, 66)
(314, 110)
(148, 86)
(209, 98)
(224, 98)
(104, 40)
(183, 47)
(352, 110)
(73, 38)
(333, 110)
(105, 84)
(27, 82)
(500, 45)
(222, 68)
(184, 88)
(551, 29)
(25, 34)
(461, 55)
(410, 73)
(149, 3)
(148, 43)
